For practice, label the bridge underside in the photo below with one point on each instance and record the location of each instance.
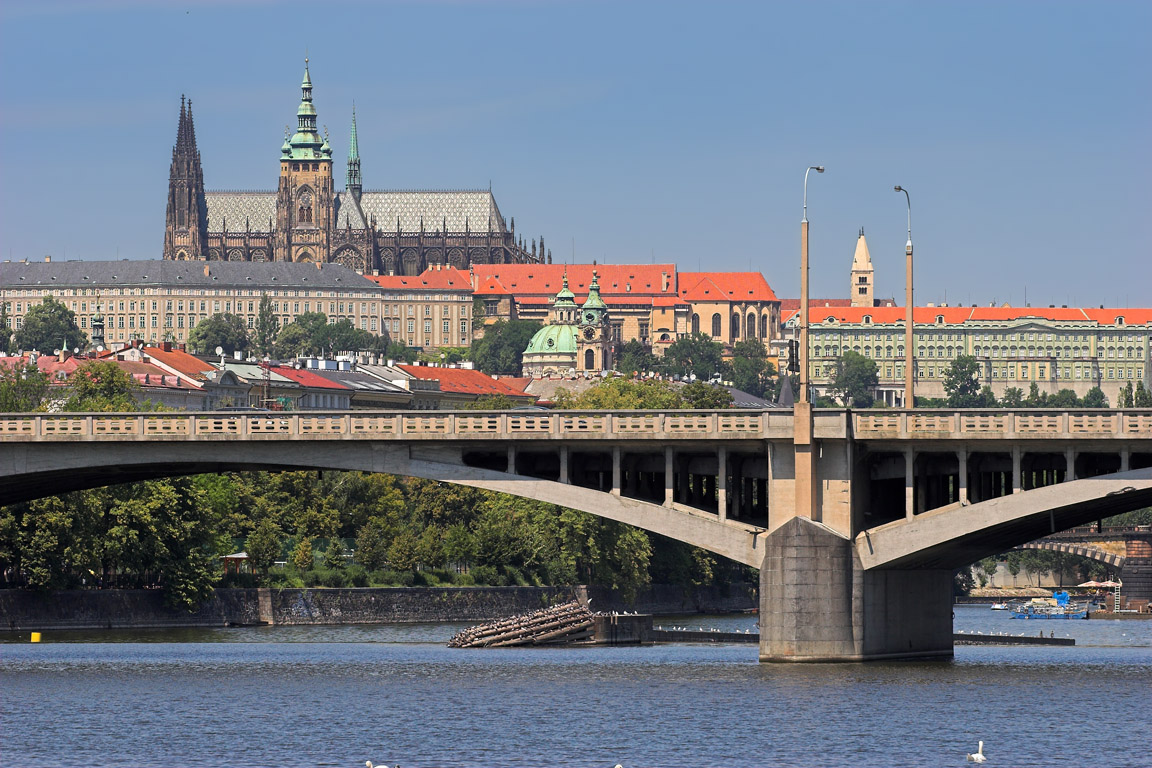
(42, 471)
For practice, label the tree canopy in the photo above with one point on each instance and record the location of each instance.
(752, 372)
(501, 350)
(50, 326)
(962, 382)
(695, 355)
(856, 376)
(101, 385)
(220, 330)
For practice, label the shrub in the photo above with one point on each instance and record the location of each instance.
(239, 581)
(332, 577)
(284, 580)
(445, 577)
(487, 574)
(311, 578)
(465, 580)
(514, 577)
(392, 578)
(356, 576)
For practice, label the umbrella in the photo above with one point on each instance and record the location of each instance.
(1090, 584)
(1112, 584)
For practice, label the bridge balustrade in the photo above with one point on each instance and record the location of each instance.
(998, 424)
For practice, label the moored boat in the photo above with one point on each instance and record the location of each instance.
(1059, 606)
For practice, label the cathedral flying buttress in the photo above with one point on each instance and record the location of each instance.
(306, 219)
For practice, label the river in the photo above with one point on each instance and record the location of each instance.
(337, 696)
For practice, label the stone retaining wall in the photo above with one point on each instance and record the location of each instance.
(108, 609)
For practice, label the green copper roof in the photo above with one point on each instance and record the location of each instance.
(306, 143)
(565, 298)
(553, 340)
(594, 301)
(353, 177)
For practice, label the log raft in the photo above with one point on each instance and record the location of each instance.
(560, 624)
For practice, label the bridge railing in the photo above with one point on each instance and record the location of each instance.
(415, 425)
(948, 424)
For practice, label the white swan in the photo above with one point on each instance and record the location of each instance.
(369, 764)
(979, 756)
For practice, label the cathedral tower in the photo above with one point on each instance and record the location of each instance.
(862, 274)
(353, 183)
(304, 201)
(186, 222)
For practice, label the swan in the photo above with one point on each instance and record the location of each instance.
(979, 756)
(369, 764)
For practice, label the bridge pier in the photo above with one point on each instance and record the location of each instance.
(818, 604)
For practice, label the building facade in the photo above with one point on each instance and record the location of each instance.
(428, 311)
(578, 338)
(308, 220)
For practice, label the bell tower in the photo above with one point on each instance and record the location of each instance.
(594, 333)
(304, 200)
(861, 290)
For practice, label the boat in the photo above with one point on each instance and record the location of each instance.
(1059, 606)
(1000, 606)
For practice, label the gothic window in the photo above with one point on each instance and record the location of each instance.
(750, 326)
(716, 325)
(764, 326)
(735, 327)
(695, 324)
(304, 214)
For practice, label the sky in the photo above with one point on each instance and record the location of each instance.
(624, 132)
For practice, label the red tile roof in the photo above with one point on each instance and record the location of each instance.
(181, 362)
(447, 279)
(306, 378)
(462, 380)
(620, 280)
(786, 304)
(725, 286)
(955, 315)
(1131, 315)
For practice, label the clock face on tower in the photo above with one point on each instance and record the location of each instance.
(589, 317)
(589, 333)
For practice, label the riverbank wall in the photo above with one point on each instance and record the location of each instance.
(119, 609)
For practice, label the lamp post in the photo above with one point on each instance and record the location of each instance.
(804, 395)
(909, 374)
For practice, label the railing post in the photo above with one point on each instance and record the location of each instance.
(38, 425)
(904, 425)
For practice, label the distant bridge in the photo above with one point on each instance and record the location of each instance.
(857, 516)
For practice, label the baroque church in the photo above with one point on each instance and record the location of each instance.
(307, 220)
(577, 338)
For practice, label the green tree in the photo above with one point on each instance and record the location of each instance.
(1095, 398)
(1013, 398)
(49, 326)
(334, 555)
(695, 355)
(224, 330)
(302, 556)
(489, 403)
(307, 335)
(266, 327)
(1013, 564)
(263, 546)
(372, 544)
(23, 387)
(430, 547)
(1142, 398)
(622, 394)
(1126, 397)
(460, 545)
(856, 376)
(962, 382)
(702, 395)
(402, 551)
(501, 351)
(986, 398)
(101, 385)
(752, 372)
(1036, 398)
(635, 358)
(1065, 398)
(6, 346)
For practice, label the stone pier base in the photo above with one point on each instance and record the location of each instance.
(818, 604)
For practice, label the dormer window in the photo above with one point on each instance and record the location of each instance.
(940, 319)
(867, 319)
(1120, 320)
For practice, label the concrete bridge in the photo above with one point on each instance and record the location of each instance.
(1127, 549)
(855, 520)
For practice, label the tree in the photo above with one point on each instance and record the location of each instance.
(1095, 398)
(988, 566)
(402, 551)
(1126, 397)
(372, 544)
(622, 394)
(1035, 399)
(1013, 398)
(302, 557)
(266, 327)
(1065, 398)
(962, 382)
(50, 326)
(334, 555)
(1142, 398)
(696, 355)
(855, 378)
(263, 546)
(1012, 562)
(307, 335)
(23, 387)
(101, 385)
(501, 351)
(635, 358)
(222, 330)
(5, 330)
(702, 395)
(752, 372)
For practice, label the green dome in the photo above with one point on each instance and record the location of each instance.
(553, 339)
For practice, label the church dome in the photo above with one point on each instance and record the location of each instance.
(553, 340)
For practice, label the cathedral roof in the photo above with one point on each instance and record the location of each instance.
(725, 286)
(456, 209)
(199, 274)
(239, 209)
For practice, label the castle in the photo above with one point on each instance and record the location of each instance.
(307, 220)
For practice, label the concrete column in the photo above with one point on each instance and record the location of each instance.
(909, 483)
(1069, 464)
(685, 490)
(615, 470)
(722, 483)
(512, 459)
(962, 459)
(1017, 486)
(817, 603)
(737, 492)
(1125, 459)
(564, 464)
(669, 475)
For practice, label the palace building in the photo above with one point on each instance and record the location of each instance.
(306, 219)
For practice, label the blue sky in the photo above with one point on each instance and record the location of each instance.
(624, 131)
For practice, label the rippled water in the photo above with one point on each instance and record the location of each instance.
(337, 696)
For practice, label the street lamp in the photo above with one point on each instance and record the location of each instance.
(909, 377)
(804, 396)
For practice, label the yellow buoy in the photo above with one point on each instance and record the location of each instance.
(35, 637)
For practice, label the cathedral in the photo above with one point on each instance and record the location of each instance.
(307, 220)
(577, 338)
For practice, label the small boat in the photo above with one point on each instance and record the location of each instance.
(1059, 606)
(999, 606)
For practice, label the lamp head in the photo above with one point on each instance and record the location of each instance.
(899, 188)
(819, 169)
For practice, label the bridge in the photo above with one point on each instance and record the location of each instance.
(856, 520)
(1127, 549)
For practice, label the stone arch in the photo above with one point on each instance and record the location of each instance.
(181, 255)
(477, 256)
(259, 255)
(213, 254)
(388, 260)
(304, 204)
(410, 262)
(456, 258)
(433, 256)
(235, 254)
(304, 256)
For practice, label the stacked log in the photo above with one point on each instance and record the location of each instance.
(565, 623)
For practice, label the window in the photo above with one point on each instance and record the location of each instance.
(695, 324)
(411, 326)
(491, 307)
(463, 327)
(446, 327)
(716, 325)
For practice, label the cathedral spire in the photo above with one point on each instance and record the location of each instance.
(353, 182)
(306, 142)
(186, 222)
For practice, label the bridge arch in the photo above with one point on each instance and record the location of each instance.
(1092, 553)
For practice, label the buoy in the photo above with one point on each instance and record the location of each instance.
(35, 637)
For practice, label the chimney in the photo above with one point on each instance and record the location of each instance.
(207, 271)
(319, 265)
(166, 346)
(663, 282)
(237, 355)
(47, 259)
